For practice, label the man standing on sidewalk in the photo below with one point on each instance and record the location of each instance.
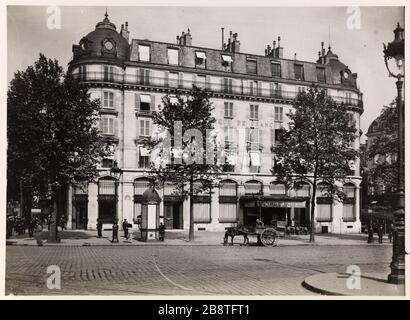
(125, 228)
(380, 233)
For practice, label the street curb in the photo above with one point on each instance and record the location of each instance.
(318, 290)
(167, 245)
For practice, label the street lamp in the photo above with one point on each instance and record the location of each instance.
(395, 50)
(116, 173)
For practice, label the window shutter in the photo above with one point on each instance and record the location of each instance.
(117, 100)
(194, 80)
(142, 74)
(180, 80)
(259, 84)
(141, 128)
(115, 127)
(146, 127)
(247, 135)
(245, 88)
(137, 75)
(137, 101)
(223, 88)
(208, 82)
(166, 79)
(147, 76)
(100, 124)
(102, 98)
(152, 107)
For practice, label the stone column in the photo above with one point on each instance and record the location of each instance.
(92, 205)
(128, 201)
(240, 211)
(215, 207)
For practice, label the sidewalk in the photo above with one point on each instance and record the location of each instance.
(179, 237)
(361, 285)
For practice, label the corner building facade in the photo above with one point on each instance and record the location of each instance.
(251, 94)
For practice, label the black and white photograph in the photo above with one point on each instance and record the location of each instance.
(205, 151)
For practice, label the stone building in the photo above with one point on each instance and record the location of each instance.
(251, 94)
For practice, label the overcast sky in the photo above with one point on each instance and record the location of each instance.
(301, 31)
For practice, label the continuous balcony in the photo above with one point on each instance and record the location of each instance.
(217, 88)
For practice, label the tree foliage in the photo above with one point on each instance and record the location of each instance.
(317, 146)
(52, 133)
(383, 150)
(194, 157)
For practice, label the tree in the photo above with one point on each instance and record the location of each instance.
(52, 133)
(183, 151)
(317, 147)
(383, 150)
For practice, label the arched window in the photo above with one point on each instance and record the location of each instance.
(228, 201)
(253, 187)
(140, 185)
(324, 204)
(228, 188)
(349, 202)
(277, 187)
(303, 190)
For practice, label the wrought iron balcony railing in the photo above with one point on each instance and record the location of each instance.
(216, 87)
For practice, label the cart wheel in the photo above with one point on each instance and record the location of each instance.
(269, 237)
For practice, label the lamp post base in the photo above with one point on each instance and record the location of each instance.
(396, 278)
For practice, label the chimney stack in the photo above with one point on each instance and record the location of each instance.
(278, 51)
(124, 31)
(223, 43)
(233, 43)
(185, 39)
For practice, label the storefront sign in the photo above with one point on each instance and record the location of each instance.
(277, 204)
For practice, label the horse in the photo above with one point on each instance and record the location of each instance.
(233, 232)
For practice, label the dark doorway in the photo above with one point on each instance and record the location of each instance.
(300, 219)
(250, 216)
(81, 215)
(173, 215)
(270, 216)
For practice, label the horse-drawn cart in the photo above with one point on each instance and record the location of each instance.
(267, 236)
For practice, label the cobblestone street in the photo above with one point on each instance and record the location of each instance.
(183, 270)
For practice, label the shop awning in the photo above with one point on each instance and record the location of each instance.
(144, 152)
(173, 99)
(145, 98)
(200, 55)
(255, 160)
(226, 58)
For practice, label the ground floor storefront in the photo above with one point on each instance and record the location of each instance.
(238, 199)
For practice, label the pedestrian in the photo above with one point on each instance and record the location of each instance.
(99, 228)
(161, 230)
(391, 233)
(38, 234)
(9, 225)
(125, 226)
(115, 232)
(259, 224)
(380, 233)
